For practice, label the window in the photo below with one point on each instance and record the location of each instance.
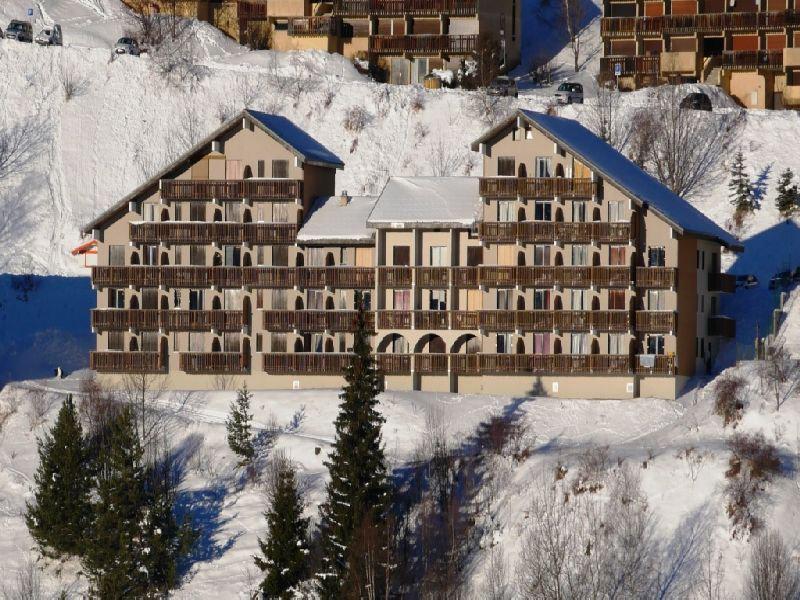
(149, 341)
(541, 343)
(543, 166)
(506, 166)
(280, 169)
(116, 256)
(579, 299)
(541, 300)
(179, 211)
(616, 212)
(260, 256)
(317, 341)
(280, 213)
(116, 298)
(579, 343)
(316, 300)
(541, 255)
(401, 256)
(656, 257)
(149, 212)
(178, 255)
(616, 343)
(233, 256)
(232, 299)
(197, 211)
(616, 256)
(402, 300)
(504, 300)
(278, 342)
(197, 256)
(399, 345)
(656, 300)
(176, 298)
(579, 212)
(504, 343)
(701, 303)
(505, 211)
(233, 212)
(116, 341)
(580, 255)
(616, 299)
(280, 256)
(149, 298)
(474, 256)
(655, 344)
(366, 298)
(231, 341)
(260, 169)
(197, 341)
(315, 257)
(196, 300)
(543, 211)
(438, 300)
(279, 300)
(438, 256)
(150, 255)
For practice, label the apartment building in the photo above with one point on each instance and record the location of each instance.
(750, 49)
(564, 271)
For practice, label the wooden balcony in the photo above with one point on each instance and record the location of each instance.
(306, 363)
(753, 60)
(246, 11)
(662, 365)
(236, 189)
(432, 277)
(656, 277)
(126, 362)
(721, 282)
(537, 187)
(465, 277)
(394, 319)
(732, 22)
(719, 325)
(335, 321)
(631, 65)
(394, 364)
(395, 277)
(431, 319)
(271, 277)
(314, 26)
(436, 45)
(656, 321)
(213, 363)
(350, 278)
(566, 364)
(465, 320)
(431, 364)
(527, 232)
(507, 320)
(167, 320)
(177, 232)
(399, 8)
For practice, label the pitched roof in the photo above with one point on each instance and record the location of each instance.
(427, 201)
(331, 222)
(623, 173)
(280, 128)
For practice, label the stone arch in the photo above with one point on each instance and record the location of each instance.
(430, 343)
(135, 258)
(595, 259)
(393, 343)
(559, 259)
(596, 214)
(215, 346)
(246, 260)
(246, 310)
(247, 216)
(298, 303)
(559, 170)
(248, 172)
(246, 354)
(521, 213)
(467, 343)
(559, 217)
(217, 260)
(520, 302)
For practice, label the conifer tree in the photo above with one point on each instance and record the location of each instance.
(238, 426)
(787, 198)
(285, 550)
(358, 491)
(741, 190)
(61, 510)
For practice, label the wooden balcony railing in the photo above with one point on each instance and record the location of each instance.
(721, 282)
(465, 277)
(394, 319)
(656, 321)
(399, 8)
(465, 320)
(313, 320)
(351, 278)
(177, 232)
(246, 11)
(568, 364)
(527, 232)
(394, 364)
(271, 277)
(126, 362)
(722, 326)
(507, 320)
(431, 319)
(167, 320)
(750, 60)
(314, 26)
(423, 44)
(536, 187)
(307, 363)
(395, 277)
(662, 364)
(431, 364)
(211, 363)
(432, 277)
(656, 277)
(698, 23)
(234, 189)
(631, 65)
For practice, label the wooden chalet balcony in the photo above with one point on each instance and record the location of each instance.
(751, 60)
(432, 277)
(507, 320)
(314, 26)
(431, 319)
(246, 11)
(313, 320)
(351, 278)
(167, 320)
(656, 321)
(178, 232)
(394, 319)
(465, 320)
(233, 189)
(431, 364)
(721, 282)
(722, 326)
(528, 232)
(271, 277)
(567, 364)
(394, 364)
(698, 23)
(536, 187)
(395, 277)
(656, 277)
(306, 363)
(399, 8)
(631, 65)
(465, 277)
(126, 362)
(662, 365)
(211, 363)
(423, 44)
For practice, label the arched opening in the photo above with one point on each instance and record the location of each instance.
(559, 215)
(329, 345)
(164, 214)
(329, 260)
(164, 259)
(595, 259)
(430, 344)
(134, 303)
(595, 303)
(299, 261)
(559, 170)
(595, 346)
(248, 172)
(133, 345)
(135, 258)
(557, 346)
(520, 259)
(217, 261)
(246, 260)
(246, 310)
(217, 216)
(466, 344)
(557, 305)
(559, 259)
(329, 304)
(520, 346)
(522, 170)
(298, 303)
(215, 347)
(521, 303)
(246, 216)
(394, 343)
(596, 214)
(298, 345)
(216, 303)
(164, 303)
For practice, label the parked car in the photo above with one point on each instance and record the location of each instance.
(696, 101)
(22, 31)
(746, 281)
(782, 279)
(126, 45)
(503, 86)
(569, 93)
(50, 36)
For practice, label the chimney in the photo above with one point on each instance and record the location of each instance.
(344, 199)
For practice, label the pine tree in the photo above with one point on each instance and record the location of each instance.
(358, 491)
(787, 198)
(285, 551)
(61, 510)
(116, 557)
(742, 197)
(238, 426)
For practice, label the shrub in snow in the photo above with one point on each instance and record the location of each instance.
(773, 573)
(592, 468)
(752, 464)
(355, 119)
(780, 373)
(73, 82)
(730, 393)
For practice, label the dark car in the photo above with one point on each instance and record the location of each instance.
(696, 101)
(746, 281)
(503, 86)
(22, 31)
(782, 279)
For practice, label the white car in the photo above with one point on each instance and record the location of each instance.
(126, 45)
(569, 93)
(50, 36)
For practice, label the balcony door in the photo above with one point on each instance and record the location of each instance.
(438, 256)
(543, 166)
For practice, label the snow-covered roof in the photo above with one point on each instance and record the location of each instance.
(332, 222)
(427, 201)
(623, 173)
(297, 139)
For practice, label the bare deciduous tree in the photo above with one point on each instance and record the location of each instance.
(444, 158)
(40, 403)
(606, 117)
(773, 575)
(496, 584)
(73, 82)
(572, 16)
(781, 375)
